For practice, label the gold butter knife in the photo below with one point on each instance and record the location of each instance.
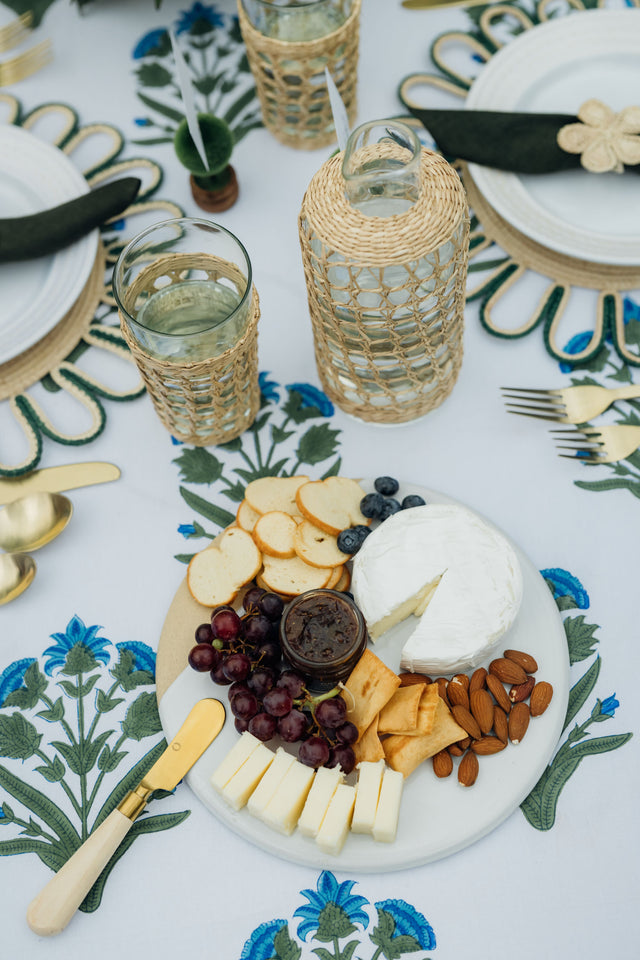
(55, 905)
(434, 4)
(55, 479)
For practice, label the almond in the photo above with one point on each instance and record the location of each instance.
(500, 724)
(540, 698)
(407, 679)
(463, 744)
(507, 670)
(463, 717)
(463, 679)
(442, 689)
(442, 764)
(455, 750)
(518, 722)
(520, 691)
(499, 693)
(457, 694)
(485, 746)
(478, 680)
(482, 709)
(468, 769)
(524, 660)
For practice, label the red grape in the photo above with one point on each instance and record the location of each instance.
(251, 599)
(244, 705)
(236, 666)
(261, 680)
(218, 675)
(271, 606)
(238, 687)
(314, 752)
(202, 657)
(240, 724)
(347, 733)
(293, 682)
(342, 756)
(226, 624)
(255, 629)
(263, 726)
(277, 702)
(293, 726)
(204, 633)
(331, 713)
(269, 654)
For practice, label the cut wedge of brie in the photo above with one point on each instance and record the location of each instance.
(458, 577)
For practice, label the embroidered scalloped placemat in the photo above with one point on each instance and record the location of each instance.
(92, 322)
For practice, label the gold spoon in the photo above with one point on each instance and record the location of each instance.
(32, 521)
(17, 570)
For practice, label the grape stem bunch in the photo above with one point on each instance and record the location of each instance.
(265, 696)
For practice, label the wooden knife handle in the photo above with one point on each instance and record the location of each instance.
(55, 905)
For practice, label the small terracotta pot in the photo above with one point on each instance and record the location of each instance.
(213, 201)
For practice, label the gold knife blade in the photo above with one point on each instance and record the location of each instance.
(434, 4)
(202, 726)
(55, 479)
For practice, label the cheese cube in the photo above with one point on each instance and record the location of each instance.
(335, 826)
(285, 806)
(239, 753)
(367, 793)
(272, 779)
(244, 781)
(324, 785)
(386, 823)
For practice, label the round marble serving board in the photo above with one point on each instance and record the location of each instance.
(437, 817)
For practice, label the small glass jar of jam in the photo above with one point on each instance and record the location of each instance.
(323, 635)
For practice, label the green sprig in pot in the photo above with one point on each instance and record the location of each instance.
(214, 187)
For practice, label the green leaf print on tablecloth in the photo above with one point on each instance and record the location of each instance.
(281, 442)
(99, 686)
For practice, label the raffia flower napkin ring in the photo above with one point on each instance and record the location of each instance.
(605, 140)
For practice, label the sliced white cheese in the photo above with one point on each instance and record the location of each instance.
(367, 793)
(245, 780)
(270, 782)
(385, 826)
(459, 576)
(239, 753)
(285, 806)
(337, 820)
(325, 784)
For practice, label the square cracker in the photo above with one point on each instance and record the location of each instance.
(405, 753)
(427, 710)
(400, 713)
(371, 684)
(369, 746)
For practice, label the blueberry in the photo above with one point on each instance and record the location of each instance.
(391, 506)
(386, 485)
(413, 500)
(362, 531)
(348, 541)
(371, 505)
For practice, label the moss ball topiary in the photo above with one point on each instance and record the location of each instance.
(218, 145)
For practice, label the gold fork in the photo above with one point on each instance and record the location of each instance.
(25, 64)
(15, 32)
(599, 445)
(569, 405)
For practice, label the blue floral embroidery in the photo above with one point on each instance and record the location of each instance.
(330, 891)
(268, 388)
(187, 530)
(409, 922)
(566, 585)
(608, 707)
(577, 343)
(144, 658)
(260, 945)
(149, 43)
(76, 634)
(199, 11)
(630, 307)
(12, 678)
(312, 397)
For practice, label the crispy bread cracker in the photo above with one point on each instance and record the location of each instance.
(400, 713)
(371, 684)
(369, 746)
(405, 753)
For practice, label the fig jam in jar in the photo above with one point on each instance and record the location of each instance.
(323, 635)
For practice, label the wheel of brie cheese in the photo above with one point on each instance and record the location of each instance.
(454, 579)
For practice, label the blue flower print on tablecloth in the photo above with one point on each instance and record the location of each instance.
(290, 435)
(66, 734)
(202, 16)
(339, 925)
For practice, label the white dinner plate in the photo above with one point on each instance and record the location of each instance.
(437, 817)
(554, 68)
(36, 294)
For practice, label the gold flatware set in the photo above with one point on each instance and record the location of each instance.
(22, 65)
(34, 513)
(577, 405)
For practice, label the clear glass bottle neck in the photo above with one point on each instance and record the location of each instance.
(381, 168)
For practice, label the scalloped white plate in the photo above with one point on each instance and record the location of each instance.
(437, 817)
(36, 294)
(553, 68)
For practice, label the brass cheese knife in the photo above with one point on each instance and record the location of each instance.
(55, 479)
(55, 905)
